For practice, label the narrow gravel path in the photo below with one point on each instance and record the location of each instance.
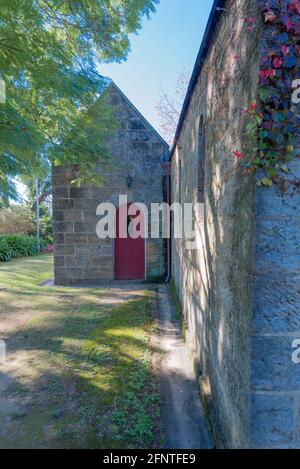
(184, 422)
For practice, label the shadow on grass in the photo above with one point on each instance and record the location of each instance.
(79, 374)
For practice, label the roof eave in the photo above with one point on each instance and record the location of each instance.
(209, 32)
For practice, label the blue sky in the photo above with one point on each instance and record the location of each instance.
(167, 43)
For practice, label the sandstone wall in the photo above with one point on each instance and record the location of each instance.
(275, 396)
(215, 281)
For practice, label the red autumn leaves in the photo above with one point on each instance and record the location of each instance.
(250, 111)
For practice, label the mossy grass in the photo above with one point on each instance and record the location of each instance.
(86, 379)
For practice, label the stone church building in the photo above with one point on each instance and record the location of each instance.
(138, 153)
(239, 289)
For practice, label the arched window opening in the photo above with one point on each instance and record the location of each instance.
(201, 160)
(180, 181)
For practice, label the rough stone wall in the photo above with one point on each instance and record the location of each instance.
(79, 255)
(214, 282)
(275, 379)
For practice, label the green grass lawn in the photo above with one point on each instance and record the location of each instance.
(79, 372)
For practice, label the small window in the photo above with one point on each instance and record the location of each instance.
(180, 181)
(201, 160)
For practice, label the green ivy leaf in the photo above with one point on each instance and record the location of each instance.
(267, 182)
(272, 172)
(263, 134)
(284, 168)
(251, 126)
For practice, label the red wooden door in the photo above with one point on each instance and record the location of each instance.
(129, 252)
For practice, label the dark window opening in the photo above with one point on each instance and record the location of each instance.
(180, 182)
(201, 160)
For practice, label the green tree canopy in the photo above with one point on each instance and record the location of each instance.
(49, 53)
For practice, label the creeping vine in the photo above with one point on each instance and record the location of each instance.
(274, 122)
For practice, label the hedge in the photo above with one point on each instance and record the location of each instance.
(13, 246)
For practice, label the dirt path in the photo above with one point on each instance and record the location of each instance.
(184, 422)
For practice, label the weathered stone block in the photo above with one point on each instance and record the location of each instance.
(87, 250)
(140, 148)
(106, 250)
(59, 261)
(79, 192)
(62, 204)
(60, 281)
(74, 272)
(277, 245)
(272, 365)
(136, 124)
(153, 252)
(96, 193)
(61, 192)
(81, 204)
(64, 274)
(96, 273)
(75, 239)
(93, 239)
(58, 238)
(81, 227)
(296, 443)
(273, 202)
(58, 215)
(62, 227)
(276, 304)
(77, 261)
(272, 421)
(89, 216)
(103, 262)
(73, 215)
(63, 250)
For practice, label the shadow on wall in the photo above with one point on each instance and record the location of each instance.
(215, 281)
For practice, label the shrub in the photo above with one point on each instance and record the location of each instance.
(47, 249)
(17, 220)
(5, 250)
(17, 246)
(46, 229)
